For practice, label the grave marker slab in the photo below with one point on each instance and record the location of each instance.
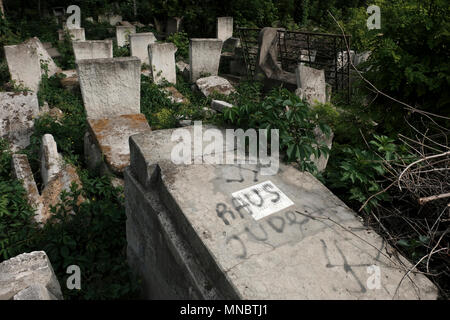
(204, 57)
(92, 49)
(224, 28)
(139, 43)
(110, 87)
(162, 62)
(123, 33)
(312, 84)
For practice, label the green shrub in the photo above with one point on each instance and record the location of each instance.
(181, 41)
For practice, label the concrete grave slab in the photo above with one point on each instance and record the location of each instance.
(25, 270)
(162, 62)
(17, 114)
(139, 45)
(111, 138)
(224, 28)
(189, 239)
(204, 57)
(110, 87)
(92, 49)
(123, 33)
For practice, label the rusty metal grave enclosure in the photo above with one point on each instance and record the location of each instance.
(316, 50)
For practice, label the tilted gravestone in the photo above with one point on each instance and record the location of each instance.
(92, 49)
(139, 43)
(26, 63)
(204, 57)
(123, 34)
(224, 28)
(162, 62)
(212, 231)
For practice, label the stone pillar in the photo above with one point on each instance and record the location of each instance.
(139, 43)
(110, 87)
(224, 28)
(92, 49)
(162, 62)
(123, 33)
(204, 57)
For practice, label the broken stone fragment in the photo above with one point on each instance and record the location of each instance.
(184, 68)
(26, 275)
(215, 84)
(51, 161)
(17, 113)
(22, 171)
(175, 96)
(220, 105)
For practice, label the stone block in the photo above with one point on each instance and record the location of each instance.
(139, 43)
(25, 270)
(123, 34)
(110, 87)
(224, 28)
(51, 161)
(204, 57)
(35, 292)
(17, 114)
(92, 49)
(219, 105)
(195, 232)
(162, 62)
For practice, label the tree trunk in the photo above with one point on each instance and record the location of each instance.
(2, 10)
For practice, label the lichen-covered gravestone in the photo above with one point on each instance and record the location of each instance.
(139, 45)
(226, 231)
(17, 114)
(123, 33)
(204, 57)
(162, 62)
(92, 49)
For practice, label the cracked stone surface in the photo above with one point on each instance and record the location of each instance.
(217, 84)
(316, 248)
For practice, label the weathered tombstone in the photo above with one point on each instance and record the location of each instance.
(17, 113)
(224, 28)
(25, 62)
(75, 34)
(123, 34)
(139, 45)
(162, 62)
(173, 25)
(312, 84)
(110, 87)
(111, 96)
(343, 58)
(204, 57)
(92, 49)
(208, 231)
(27, 270)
